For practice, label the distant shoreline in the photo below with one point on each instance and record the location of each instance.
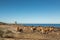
(44, 25)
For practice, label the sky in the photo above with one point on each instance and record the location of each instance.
(30, 11)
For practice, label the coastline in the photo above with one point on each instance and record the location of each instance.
(21, 32)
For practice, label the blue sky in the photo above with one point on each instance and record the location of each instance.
(30, 11)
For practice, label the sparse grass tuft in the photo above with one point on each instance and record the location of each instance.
(1, 33)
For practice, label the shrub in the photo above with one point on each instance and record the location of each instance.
(1, 33)
(8, 34)
(8, 31)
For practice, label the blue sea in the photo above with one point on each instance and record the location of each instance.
(52, 25)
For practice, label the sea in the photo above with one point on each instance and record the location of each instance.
(44, 25)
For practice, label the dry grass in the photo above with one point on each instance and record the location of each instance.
(6, 34)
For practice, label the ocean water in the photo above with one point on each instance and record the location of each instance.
(52, 25)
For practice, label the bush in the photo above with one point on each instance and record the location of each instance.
(8, 31)
(8, 34)
(1, 33)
